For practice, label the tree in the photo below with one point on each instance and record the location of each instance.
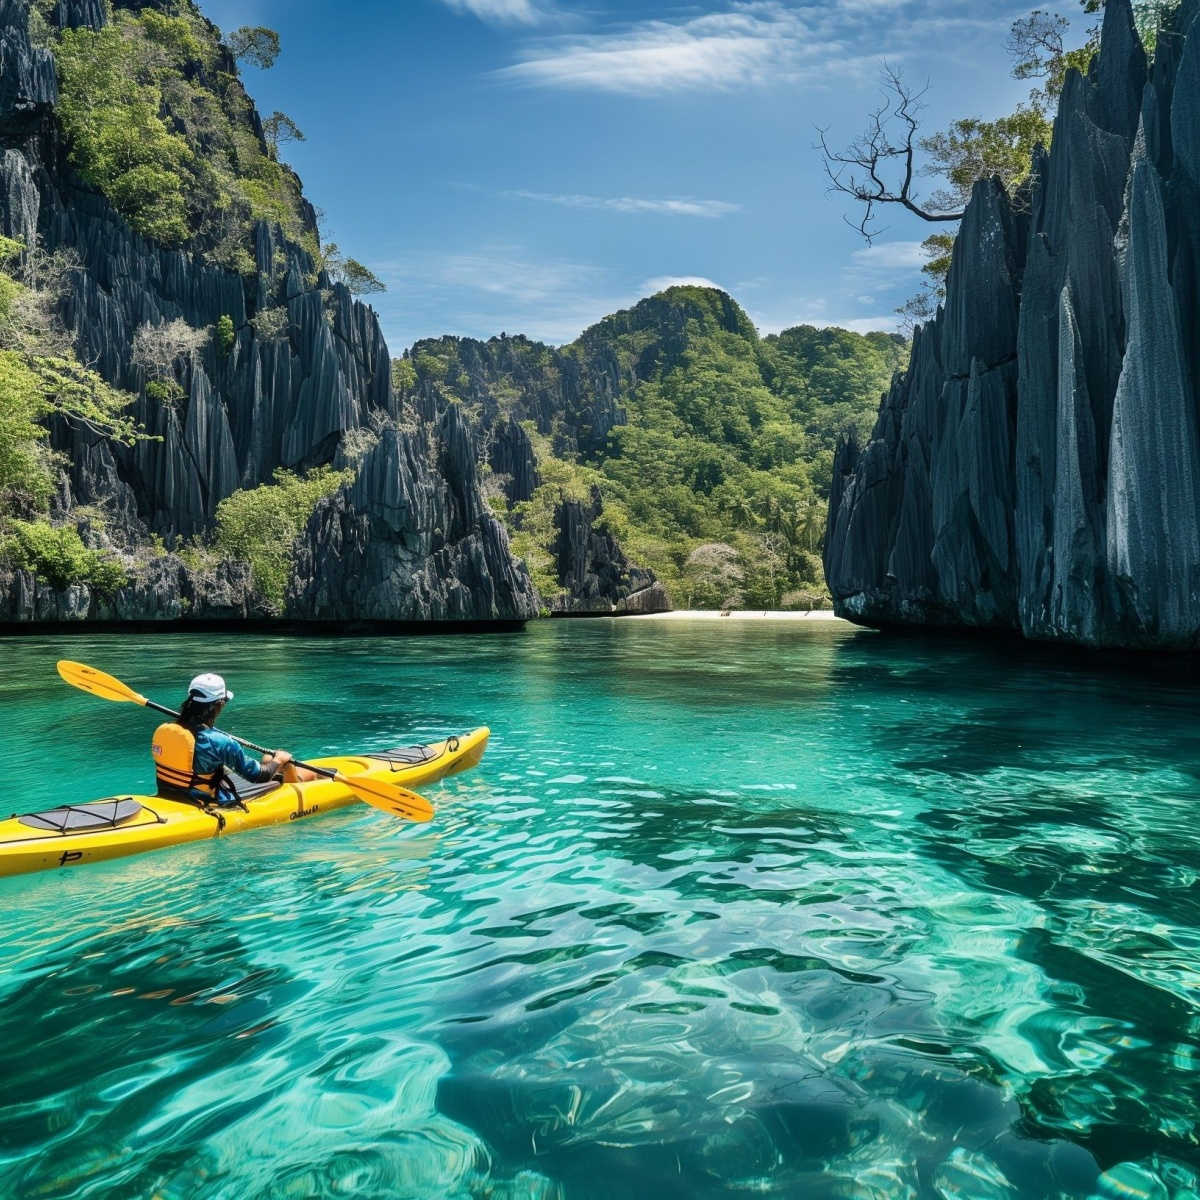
(1036, 47)
(973, 149)
(713, 576)
(156, 348)
(279, 128)
(226, 335)
(359, 279)
(886, 147)
(255, 44)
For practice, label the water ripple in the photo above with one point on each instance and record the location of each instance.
(775, 911)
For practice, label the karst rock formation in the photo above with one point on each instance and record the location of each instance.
(1037, 468)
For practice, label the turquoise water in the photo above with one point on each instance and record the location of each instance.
(728, 910)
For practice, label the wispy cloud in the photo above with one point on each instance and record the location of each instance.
(745, 43)
(499, 287)
(515, 12)
(743, 46)
(505, 271)
(676, 207)
(890, 256)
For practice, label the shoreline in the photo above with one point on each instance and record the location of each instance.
(752, 614)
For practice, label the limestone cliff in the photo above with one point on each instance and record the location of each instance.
(573, 397)
(413, 537)
(1037, 467)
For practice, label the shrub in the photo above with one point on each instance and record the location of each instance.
(57, 555)
(118, 141)
(404, 376)
(225, 335)
(260, 524)
(271, 323)
(33, 387)
(166, 392)
(171, 140)
(157, 347)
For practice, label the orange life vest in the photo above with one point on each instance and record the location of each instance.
(174, 750)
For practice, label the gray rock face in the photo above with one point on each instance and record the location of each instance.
(574, 397)
(595, 574)
(510, 455)
(1035, 470)
(405, 543)
(164, 589)
(291, 400)
(28, 84)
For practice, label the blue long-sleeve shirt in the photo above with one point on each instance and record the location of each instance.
(214, 749)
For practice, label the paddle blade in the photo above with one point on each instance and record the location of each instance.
(88, 679)
(398, 801)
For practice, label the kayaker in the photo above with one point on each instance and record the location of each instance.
(192, 759)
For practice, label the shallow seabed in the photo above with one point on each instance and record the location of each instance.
(728, 910)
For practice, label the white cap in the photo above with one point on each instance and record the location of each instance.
(209, 688)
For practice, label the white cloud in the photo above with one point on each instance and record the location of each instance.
(675, 207)
(506, 272)
(890, 256)
(520, 12)
(747, 43)
(744, 46)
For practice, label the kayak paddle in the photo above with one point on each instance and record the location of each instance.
(398, 801)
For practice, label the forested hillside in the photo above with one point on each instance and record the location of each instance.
(711, 449)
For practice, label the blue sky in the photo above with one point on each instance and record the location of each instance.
(532, 165)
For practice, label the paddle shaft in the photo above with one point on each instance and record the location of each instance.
(170, 712)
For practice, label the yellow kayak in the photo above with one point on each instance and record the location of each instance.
(129, 824)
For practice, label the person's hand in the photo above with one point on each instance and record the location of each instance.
(282, 757)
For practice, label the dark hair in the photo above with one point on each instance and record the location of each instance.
(195, 714)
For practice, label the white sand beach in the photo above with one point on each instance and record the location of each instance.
(754, 614)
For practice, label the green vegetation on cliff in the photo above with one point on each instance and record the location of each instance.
(720, 438)
(157, 119)
(42, 381)
(261, 524)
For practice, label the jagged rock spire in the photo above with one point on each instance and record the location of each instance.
(1072, 430)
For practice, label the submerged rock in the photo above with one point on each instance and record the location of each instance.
(1035, 470)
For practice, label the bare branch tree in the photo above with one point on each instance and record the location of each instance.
(157, 347)
(887, 146)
